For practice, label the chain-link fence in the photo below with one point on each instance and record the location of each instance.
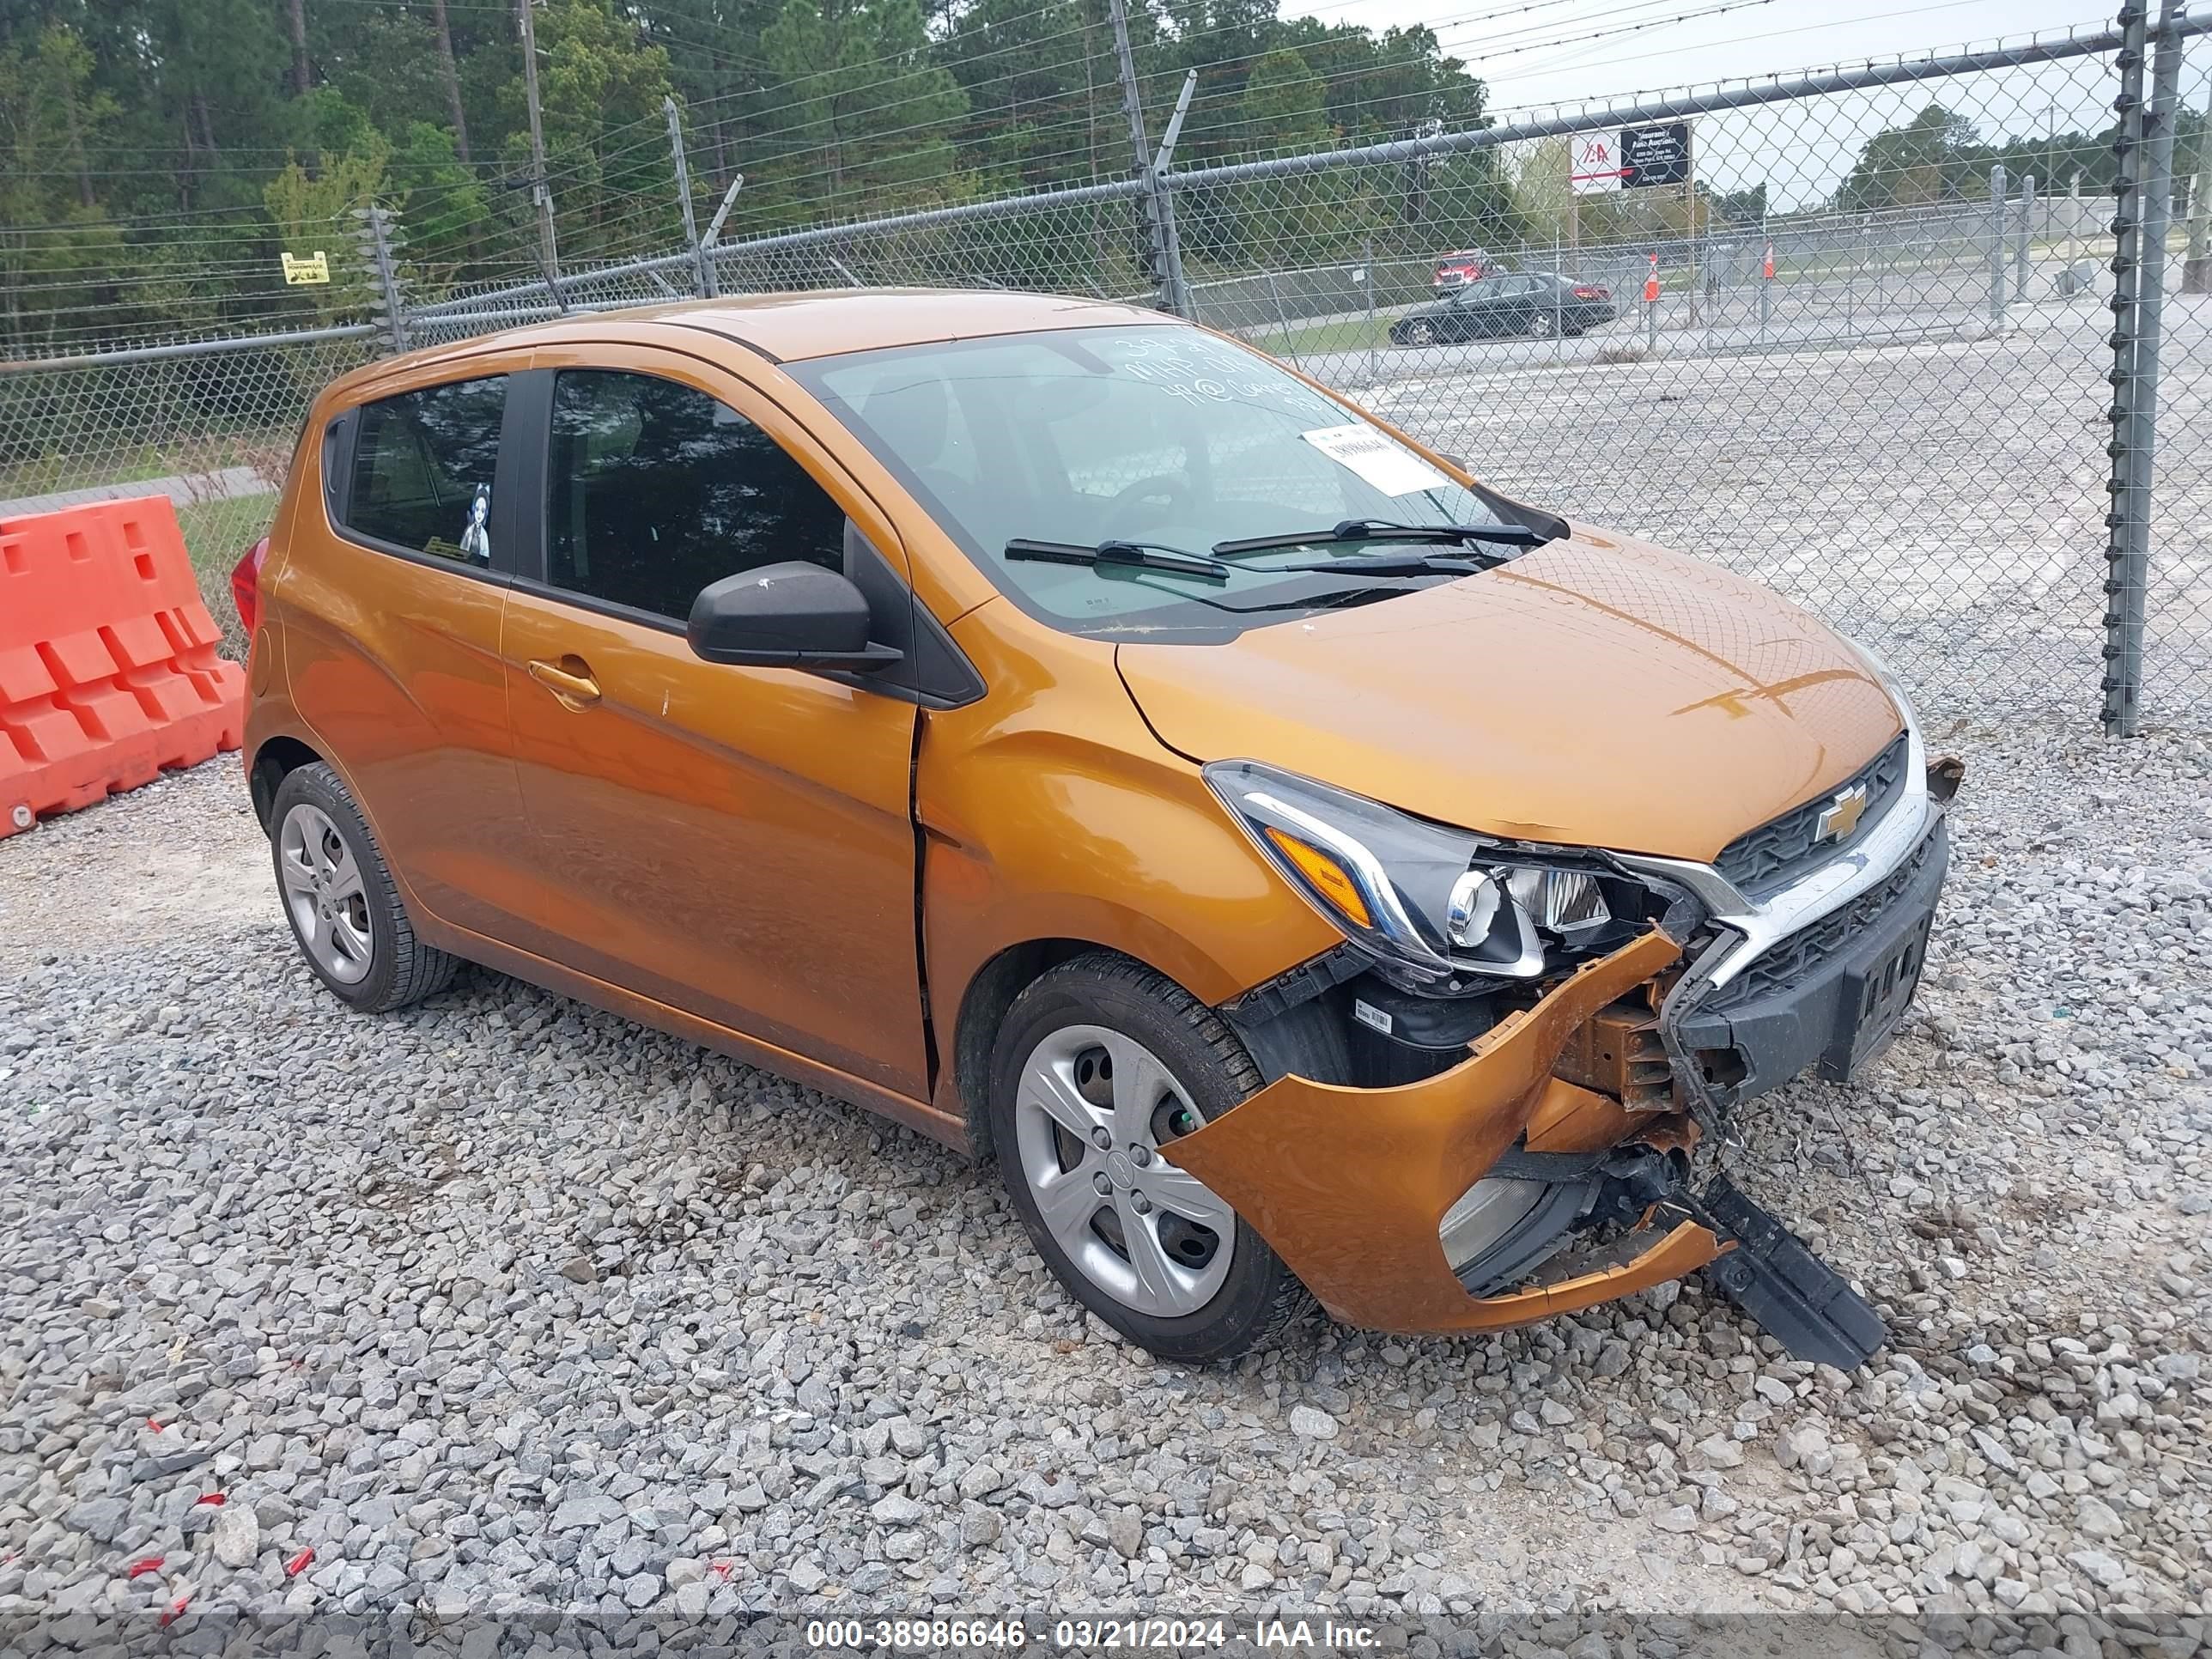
(1899, 340)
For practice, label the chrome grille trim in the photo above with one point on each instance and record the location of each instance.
(1764, 921)
(1779, 851)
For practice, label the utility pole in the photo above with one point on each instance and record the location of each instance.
(540, 191)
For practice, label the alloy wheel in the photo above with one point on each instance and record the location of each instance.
(324, 890)
(1091, 1112)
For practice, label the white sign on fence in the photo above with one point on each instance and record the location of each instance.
(1594, 163)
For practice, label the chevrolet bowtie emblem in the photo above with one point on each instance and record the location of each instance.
(1841, 816)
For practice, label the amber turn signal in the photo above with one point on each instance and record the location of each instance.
(1329, 879)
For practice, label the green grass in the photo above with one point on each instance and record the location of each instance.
(216, 534)
(1352, 334)
(53, 474)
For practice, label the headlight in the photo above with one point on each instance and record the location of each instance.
(1433, 904)
(1879, 666)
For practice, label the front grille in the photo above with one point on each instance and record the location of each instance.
(1778, 852)
(1788, 961)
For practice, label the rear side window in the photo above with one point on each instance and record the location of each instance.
(422, 467)
(657, 490)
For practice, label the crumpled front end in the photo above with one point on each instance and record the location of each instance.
(1567, 1154)
(1352, 1186)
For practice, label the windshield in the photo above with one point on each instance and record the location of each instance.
(1161, 436)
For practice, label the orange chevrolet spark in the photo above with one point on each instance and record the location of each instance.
(1310, 873)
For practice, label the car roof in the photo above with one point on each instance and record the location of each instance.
(788, 328)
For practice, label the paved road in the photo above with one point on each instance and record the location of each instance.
(227, 484)
(1942, 498)
(1735, 331)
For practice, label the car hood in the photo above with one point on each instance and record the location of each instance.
(1595, 692)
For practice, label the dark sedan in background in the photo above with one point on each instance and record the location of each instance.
(1508, 304)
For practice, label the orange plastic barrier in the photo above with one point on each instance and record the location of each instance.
(108, 671)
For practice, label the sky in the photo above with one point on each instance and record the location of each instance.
(1545, 52)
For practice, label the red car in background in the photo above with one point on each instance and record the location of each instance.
(1467, 265)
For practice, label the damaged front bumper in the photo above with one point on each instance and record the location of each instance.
(1352, 1187)
(1370, 1194)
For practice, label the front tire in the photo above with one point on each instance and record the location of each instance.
(1420, 333)
(338, 896)
(1099, 1064)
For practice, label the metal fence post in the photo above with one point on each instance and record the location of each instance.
(1997, 249)
(1765, 277)
(2197, 263)
(1367, 252)
(1175, 288)
(2145, 189)
(376, 225)
(1158, 207)
(1283, 318)
(713, 231)
(704, 270)
(541, 188)
(2020, 234)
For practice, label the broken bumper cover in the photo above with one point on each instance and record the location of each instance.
(1351, 1188)
(1349, 1185)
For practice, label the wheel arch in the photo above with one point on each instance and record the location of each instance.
(990, 993)
(276, 759)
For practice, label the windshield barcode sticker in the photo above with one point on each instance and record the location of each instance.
(1377, 457)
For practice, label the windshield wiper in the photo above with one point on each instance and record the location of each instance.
(1139, 556)
(1378, 530)
(1387, 564)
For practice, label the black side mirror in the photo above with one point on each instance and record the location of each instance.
(786, 615)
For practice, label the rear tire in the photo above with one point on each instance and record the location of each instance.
(339, 897)
(1098, 1063)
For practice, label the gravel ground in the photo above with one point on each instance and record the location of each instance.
(505, 1301)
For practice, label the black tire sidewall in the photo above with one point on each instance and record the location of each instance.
(319, 787)
(1243, 1310)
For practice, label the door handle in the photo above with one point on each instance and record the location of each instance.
(570, 679)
